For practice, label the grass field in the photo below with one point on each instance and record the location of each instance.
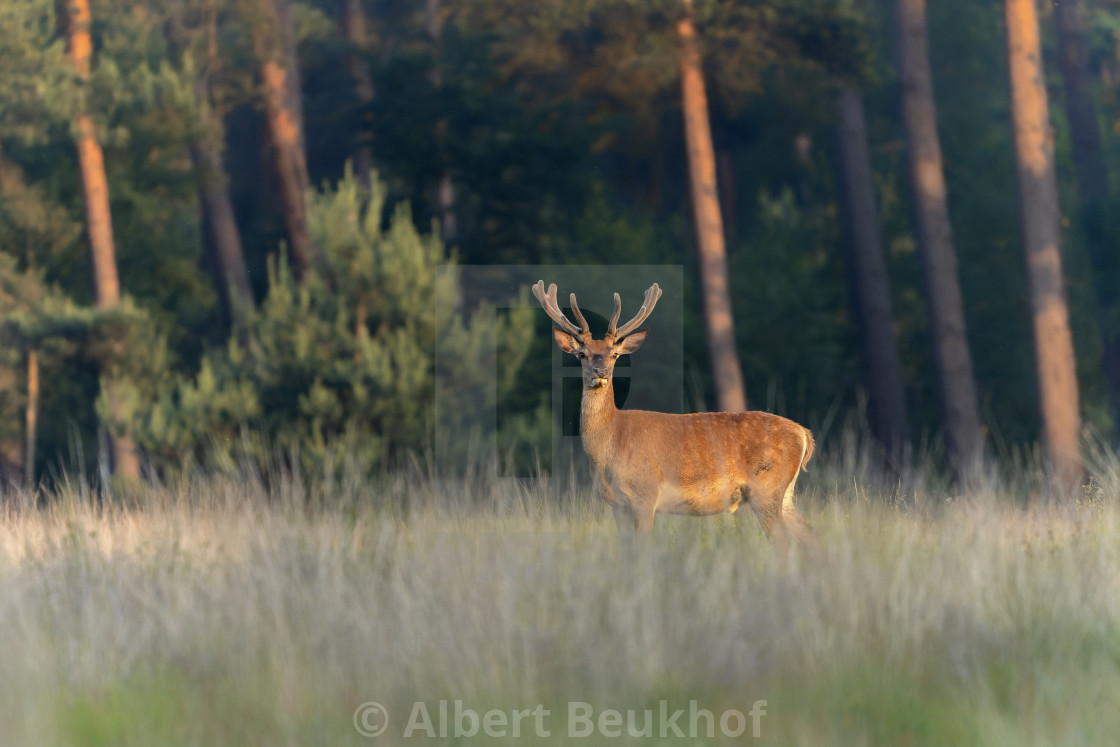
(219, 612)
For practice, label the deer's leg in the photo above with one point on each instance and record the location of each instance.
(641, 505)
(623, 517)
(608, 491)
(643, 517)
(768, 512)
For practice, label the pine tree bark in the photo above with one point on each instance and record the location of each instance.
(1092, 176)
(957, 385)
(222, 240)
(275, 50)
(99, 225)
(1093, 189)
(227, 257)
(726, 371)
(882, 371)
(31, 429)
(1041, 228)
(12, 457)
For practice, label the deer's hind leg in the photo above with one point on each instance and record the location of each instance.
(773, 506)
(768, 511)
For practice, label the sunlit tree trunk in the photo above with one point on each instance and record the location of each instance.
(32, 416)
(275, 49)
(726, 371)
(963, 430)
(126, 462)
(1041, 226)
(354, 30)
(1093, 187)
(882, 371)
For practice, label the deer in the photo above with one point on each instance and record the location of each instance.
(699, 464)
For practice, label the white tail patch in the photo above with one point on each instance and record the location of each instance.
(787, 499)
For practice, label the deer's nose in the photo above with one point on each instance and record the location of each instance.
(599, 368)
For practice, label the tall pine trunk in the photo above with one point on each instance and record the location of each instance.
(225, 254)
(1041, 227)
(445, 187)
(99, 225)
(32, 415)
(726, 372)
(957, 385)
(275, 49)
(227, 257)
(882, 371)
(354, 30)
(1093, 188)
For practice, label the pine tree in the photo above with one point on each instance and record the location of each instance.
(718, 318)
(881, 368)
(331, 372)
(274, 47)
(1040, 217)
(959, 402)
(99, 226)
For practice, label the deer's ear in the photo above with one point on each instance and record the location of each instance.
(566, 342)
(632, 342)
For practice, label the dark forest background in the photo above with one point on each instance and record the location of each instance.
(253, 271)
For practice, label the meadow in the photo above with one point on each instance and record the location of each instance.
(252, 611)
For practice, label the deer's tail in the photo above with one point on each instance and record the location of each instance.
(807, 453)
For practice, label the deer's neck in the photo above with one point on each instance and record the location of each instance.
(597, 415)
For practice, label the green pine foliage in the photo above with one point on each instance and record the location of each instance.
(342, 364)
(72, 342)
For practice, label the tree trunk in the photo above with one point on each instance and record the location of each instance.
(12, 457)
(445, 187)
(32, 420)
(1041, 226)
(227, 257)
(354, 30)
(1092, 184)
(222, 240)
(881, 368)
(283, 111)
(963, 430)
(1092, 176)
(99, 223)
(726, 372)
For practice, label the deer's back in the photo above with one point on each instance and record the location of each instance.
(705, 451)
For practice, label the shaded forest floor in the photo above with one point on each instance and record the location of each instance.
(220, 612)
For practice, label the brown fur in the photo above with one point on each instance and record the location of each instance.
(701, 464)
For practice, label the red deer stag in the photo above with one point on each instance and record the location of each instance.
(699, 464)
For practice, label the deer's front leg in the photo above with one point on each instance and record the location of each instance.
(643, 505)
(608, 491)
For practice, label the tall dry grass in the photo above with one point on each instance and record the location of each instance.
(222, 611)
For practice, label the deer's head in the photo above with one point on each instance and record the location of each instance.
(596, 356)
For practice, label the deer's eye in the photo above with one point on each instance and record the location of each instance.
(581, 355)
